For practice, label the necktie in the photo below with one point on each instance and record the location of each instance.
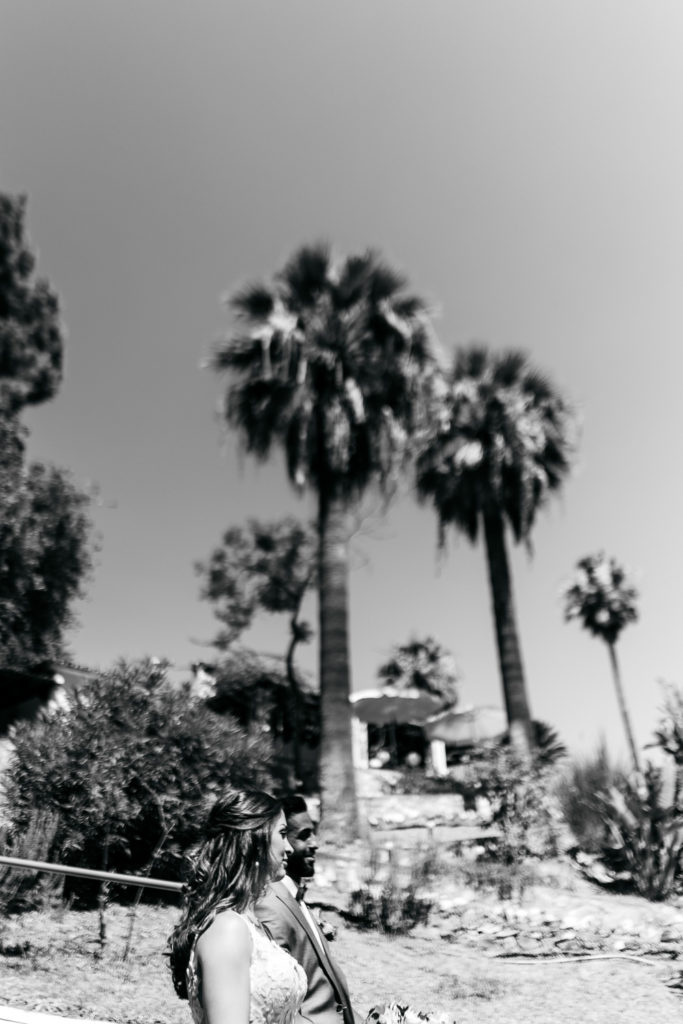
(300, 892)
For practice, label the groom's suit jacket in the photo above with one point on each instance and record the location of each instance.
(327, 998)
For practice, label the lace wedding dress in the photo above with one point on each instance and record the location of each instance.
(277, 982)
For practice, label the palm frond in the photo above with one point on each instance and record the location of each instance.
(306, 274)
(509, 368)
(334, 364)
(240, 354)
(539, 386)
(352, 280)
(384, 283)
(472, 361)
(504, 442)
(253, 302)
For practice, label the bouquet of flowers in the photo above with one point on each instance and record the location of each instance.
(401, 1013)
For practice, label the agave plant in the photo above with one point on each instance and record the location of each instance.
(646, 832)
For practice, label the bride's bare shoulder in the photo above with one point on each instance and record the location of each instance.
(228, 933)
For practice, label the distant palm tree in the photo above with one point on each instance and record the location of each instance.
(604, 601)
(421, 671)
(501, 446)
(330, 361)
(422, 665)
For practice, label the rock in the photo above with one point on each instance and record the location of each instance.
(469, 918)
(651, 934)
(628, 925)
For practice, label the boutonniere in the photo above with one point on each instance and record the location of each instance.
(328, 930)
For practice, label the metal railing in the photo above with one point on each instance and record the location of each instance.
(139, 881)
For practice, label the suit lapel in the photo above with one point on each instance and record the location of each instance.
(293, 907)
(321, 948)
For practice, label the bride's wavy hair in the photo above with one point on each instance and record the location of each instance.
(228, 869)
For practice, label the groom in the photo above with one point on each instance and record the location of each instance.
(289, 921)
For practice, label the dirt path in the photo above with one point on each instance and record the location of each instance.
(58, 975)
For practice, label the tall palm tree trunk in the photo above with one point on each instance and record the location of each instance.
(337, 779)
(621, 700)
(509, 653)
(294, 699)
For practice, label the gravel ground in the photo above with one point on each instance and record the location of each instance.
(57, 972)
(480, 990)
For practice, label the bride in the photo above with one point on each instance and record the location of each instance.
(221, 959)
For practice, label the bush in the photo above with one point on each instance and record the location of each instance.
(389, 899)
(485, 875)
(128, 771)
(22, 890)
(523, 809)
(646, 833)
(577, 792)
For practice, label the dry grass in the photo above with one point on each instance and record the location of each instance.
(58, 972)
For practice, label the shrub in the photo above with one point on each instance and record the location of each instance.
(22, 890)
(646, 832)
(390, 898)
(486, 875)
(129, 769)
(577, 793)
(523, 809)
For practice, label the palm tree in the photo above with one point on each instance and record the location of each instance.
(330, 361)
(603, 599)
(424, 666)
(501, 445)
(31, 332)
(420, 672)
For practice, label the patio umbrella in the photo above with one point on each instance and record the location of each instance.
(394, 705)
(466, 727)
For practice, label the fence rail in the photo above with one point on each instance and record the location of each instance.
(139, 881)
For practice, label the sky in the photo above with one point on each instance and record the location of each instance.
(519, 160)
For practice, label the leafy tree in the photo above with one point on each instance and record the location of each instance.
(44, 528)
(604, 601)
(31, 339)
(500, 446)
(267, 566)
(329, 361)
(128, 769)
(44, 560)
